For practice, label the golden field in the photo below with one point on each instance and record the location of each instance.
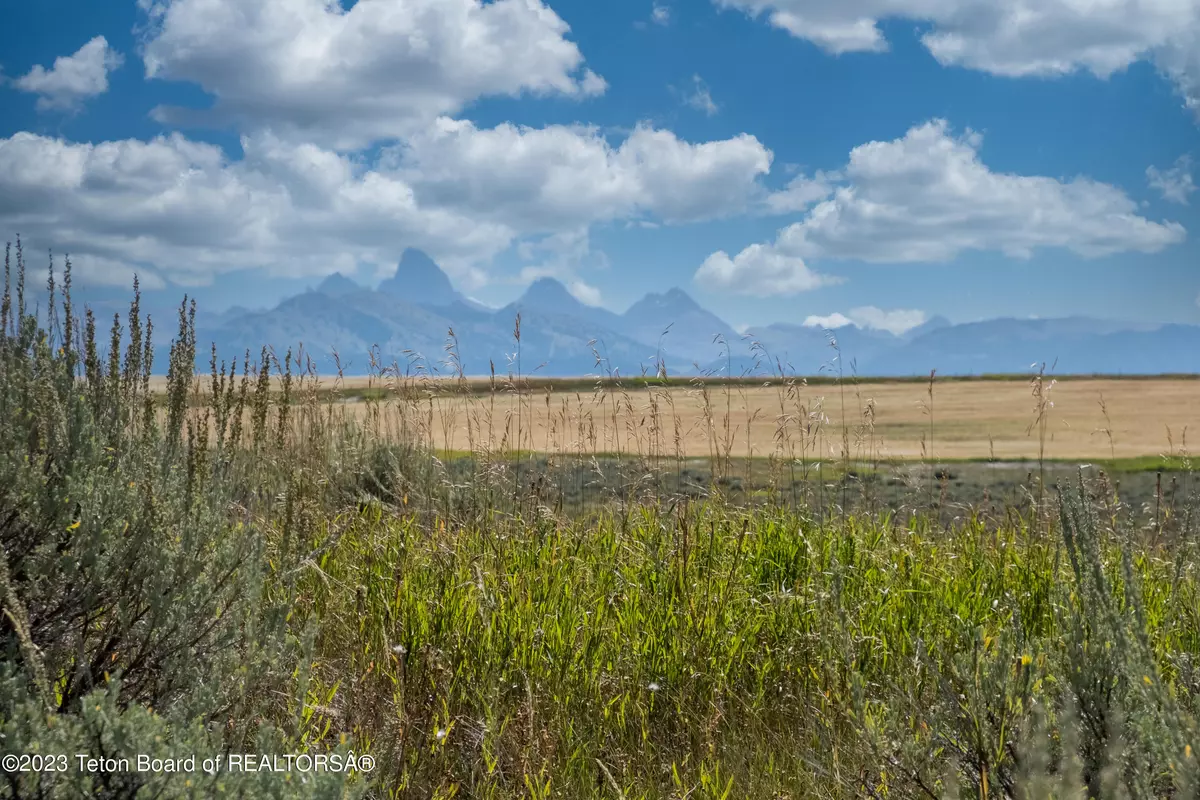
(1083, 418)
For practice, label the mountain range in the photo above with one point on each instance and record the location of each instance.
(418, 321)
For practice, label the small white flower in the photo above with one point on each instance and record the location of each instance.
(441, 734)
(654, 687)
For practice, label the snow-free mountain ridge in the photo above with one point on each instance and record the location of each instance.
(408, 319)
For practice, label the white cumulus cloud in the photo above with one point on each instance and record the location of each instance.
(182, 207)
(461, 193)
(760, 270)
(800, 193)
(928, 197)
(895, 321)
(1175, 183)
(830, 321)
(561, 177)
(374, 72)
(1014, 38)
(73, 78)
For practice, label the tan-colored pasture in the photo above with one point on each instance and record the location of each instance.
(970, 419)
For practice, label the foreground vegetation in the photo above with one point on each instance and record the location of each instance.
(257, 574)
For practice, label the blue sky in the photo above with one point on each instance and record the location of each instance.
(954, 157)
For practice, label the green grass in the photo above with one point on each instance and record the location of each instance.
(1159, 463)
(1150, 464)
(667, 648)
(676, 647)
(742, 464)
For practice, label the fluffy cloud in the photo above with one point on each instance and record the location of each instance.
(1174, 183)
(559, 177)
(73, 78)
(1017, 38)
(896, 321)
(760, 270)
(374, 72)
(928, 197)
(461, 193)
(183, 208)
(830, 322)
(683, 182)
(800, 193)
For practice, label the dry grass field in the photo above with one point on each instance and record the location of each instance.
(1085, 418)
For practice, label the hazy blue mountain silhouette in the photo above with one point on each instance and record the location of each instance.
(547, 297)
(412, 316)
(935, 323)
(419, 280)
(808, 350)
(562, 336)
(677, 324)
(1068, 345)
(338, 285)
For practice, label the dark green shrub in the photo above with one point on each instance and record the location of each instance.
(137, 616)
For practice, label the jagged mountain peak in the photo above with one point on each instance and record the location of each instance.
(548, 294)
(337, 284)
(418, 279)
(674, 301)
